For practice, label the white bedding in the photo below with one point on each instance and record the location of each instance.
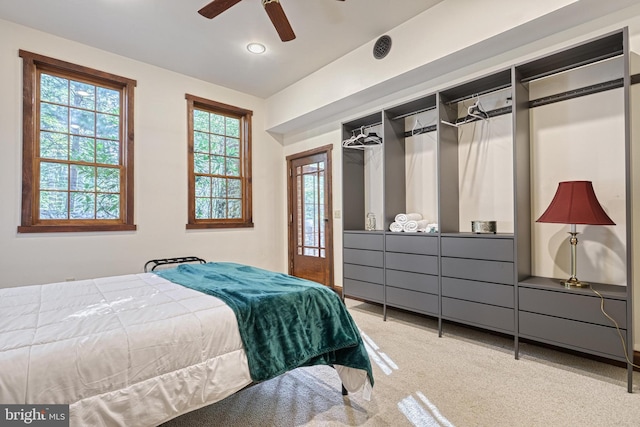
(133, 350)
(126, 350)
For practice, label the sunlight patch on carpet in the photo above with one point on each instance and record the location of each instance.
(422, 416)
(434, 410)
(381, 359)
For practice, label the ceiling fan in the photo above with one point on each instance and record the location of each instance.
(272, 7)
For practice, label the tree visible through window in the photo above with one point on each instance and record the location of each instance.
(219, 164)
(77, 148)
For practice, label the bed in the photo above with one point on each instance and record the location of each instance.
(140, 349)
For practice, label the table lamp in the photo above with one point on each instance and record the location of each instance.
(575, 202)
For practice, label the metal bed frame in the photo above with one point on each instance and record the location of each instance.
(167, 261)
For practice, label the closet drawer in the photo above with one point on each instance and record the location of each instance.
(425, 264)
(601, 340)
(412, 300)
(364, 290)
(363, 241)
(473, 269)
(362, 257)
(364, 273)
(495, 249)
(469, 290)
(583, 308)
(420, 244)
(476, 314)
(412, 281)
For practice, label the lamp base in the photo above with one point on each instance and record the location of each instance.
(573, 282)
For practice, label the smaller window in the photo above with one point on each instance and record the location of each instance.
(219, 138)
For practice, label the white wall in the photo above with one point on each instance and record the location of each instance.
(485, 166)
(580, 139)
(160, 177)
(421, 167)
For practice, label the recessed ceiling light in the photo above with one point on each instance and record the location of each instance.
(256, 48)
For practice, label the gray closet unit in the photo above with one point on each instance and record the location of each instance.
(363, 251)
(477, 270)
(411, 259)
(411, 272)
(548, 312)
(485, 280)
(363, 256)
(477, 281)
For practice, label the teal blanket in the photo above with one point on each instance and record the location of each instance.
(285, 322)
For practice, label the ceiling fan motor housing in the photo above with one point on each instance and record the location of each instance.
(382, 47)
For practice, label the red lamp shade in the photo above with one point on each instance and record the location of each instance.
(575, 202)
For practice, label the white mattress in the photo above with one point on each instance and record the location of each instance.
(126, 350)
(133, 350)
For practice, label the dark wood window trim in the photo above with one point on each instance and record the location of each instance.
(30, 222)
(195, 102)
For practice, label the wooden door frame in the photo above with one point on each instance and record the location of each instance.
(328, 237)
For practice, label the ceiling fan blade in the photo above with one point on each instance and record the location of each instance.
(216, 7)
(279, 19)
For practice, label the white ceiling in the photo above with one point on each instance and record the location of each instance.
(172, 35)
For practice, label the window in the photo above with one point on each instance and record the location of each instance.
(77, 157)
(219, 164)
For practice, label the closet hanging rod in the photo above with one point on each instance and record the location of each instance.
(583, 91)
(490, 114)
(477, 94)
(562, 96)
(575, 93)
(420, 131)
(412, 113)
(365, 127)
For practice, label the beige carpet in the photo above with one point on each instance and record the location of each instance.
(465, 378)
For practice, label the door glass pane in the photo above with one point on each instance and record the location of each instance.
(309, 207)
(299, 209)
(313, 167)
(321, 207)
(310, 211)
(311, 252)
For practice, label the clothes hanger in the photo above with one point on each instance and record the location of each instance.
(349, 141)
(417, 125)
(362, 139)
(474, 112)
(361, 136)
(372, 138)
(356, 140)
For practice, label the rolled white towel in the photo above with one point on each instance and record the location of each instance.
(395, 227)
(410, 226)
(423, 224)
(404, 217)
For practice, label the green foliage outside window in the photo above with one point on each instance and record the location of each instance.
(216, 165)
(79, 150)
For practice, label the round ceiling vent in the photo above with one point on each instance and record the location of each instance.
(382, 47)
